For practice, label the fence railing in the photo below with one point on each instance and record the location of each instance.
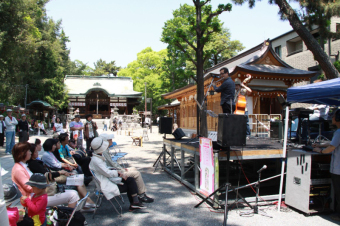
(260, 124)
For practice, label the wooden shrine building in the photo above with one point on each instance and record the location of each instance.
(270, 77)
(103, 92)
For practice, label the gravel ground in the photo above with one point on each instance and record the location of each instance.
(174, 203)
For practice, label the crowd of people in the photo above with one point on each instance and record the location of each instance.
(41, 182)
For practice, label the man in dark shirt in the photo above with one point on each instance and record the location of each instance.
(227, 90)
(23, 129)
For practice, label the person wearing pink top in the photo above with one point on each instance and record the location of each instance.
(21, 174)
(36, 204)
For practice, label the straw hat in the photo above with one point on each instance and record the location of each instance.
(99, 145)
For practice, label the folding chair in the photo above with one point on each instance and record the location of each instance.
(80, 205)
(99, 194)
(118, 155)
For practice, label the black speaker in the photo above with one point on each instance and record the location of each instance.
(276, 131)
(165, 125)
(178, 134)
(231, 130)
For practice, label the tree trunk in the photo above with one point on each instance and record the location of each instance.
(311, 43)
(199, 73)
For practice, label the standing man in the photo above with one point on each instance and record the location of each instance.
(90, 132)
(105, 122)
(2, 130)
(23, 129)
(147, 121)
(227, 90)
(76, 128)
(334, 148)
(11, 123)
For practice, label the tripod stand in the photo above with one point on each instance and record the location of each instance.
(256, 207)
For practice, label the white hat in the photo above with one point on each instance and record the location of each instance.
(9, 109)
(23, 115)
(106, 136)
(1, 116)
(99, 145)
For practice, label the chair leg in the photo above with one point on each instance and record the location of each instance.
(120, 214)
(99, 198)
(121, 197)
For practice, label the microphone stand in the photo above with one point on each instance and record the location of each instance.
(256, 208)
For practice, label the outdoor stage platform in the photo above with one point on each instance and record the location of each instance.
(181, 159)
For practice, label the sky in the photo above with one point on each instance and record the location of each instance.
(116, 30)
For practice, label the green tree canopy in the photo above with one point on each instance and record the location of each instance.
(103, 68)
(193, 33)
(218, 47)
(77, 67)
(33, 51)
(148, 68)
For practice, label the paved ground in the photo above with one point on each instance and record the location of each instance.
(174, 203)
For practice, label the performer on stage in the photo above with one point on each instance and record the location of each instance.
(227, 90)
(241, 93)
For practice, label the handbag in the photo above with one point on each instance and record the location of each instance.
(64, 214)
(54, 129)
(51, 190)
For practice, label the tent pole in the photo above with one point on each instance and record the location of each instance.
(283, 156)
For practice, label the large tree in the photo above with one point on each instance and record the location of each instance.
(316, 11)
(33, 51)
(200, 26)
(103, 68)
(148, 68)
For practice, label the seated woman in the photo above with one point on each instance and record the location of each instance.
(59, 126)
(42, 127)
(21, 174)
(49, 159)
(37, 166)
(66, 155)
(110, 186)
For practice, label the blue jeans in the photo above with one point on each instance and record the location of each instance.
(10, 141)
(105, 128)
(248, 133)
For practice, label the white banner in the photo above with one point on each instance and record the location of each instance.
(118, 104)
(207, 166)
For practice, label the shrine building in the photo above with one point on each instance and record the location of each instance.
(103, 92)
(271, 77)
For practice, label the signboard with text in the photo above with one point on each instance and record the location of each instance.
(207, 166)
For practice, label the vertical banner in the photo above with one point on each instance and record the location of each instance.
(207, 166)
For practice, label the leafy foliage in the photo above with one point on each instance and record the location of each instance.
(148, 68)
(102, 68)
(180, 35)
(218, 47)
(33, 51)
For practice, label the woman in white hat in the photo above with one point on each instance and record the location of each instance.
(2, 130)
(110, 180)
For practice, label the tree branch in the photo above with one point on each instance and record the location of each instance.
(204, 3)
(186, 53)
(187, 41)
